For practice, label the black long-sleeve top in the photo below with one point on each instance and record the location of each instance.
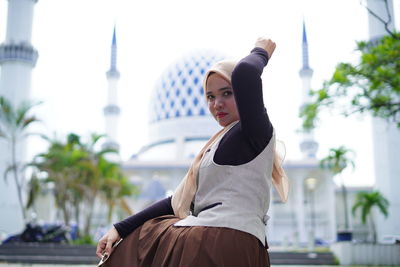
(241, 144)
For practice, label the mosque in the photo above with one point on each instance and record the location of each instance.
(179, 126)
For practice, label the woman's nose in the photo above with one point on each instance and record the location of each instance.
(218, 103)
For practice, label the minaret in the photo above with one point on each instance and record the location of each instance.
(112, 110)
(17, 56)
(386, 137)
(308, 145)
(17, 59)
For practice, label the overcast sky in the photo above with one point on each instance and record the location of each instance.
(74, 37)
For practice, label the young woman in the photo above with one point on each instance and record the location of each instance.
(218, 213)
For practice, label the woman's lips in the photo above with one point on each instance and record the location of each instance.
(221, 114)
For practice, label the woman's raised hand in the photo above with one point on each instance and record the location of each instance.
(266, 44)
(106, 242)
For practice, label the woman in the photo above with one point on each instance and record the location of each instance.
(217, 215)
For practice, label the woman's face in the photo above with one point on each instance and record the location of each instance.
(220, 99)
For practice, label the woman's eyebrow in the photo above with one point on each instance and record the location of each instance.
(220, 89)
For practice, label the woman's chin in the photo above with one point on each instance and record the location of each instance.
(224, 123)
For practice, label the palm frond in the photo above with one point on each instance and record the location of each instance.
(355, 207)
(22, 110)
(125, 206)
(366, 201)
(95, 138)
(34, 190)
(7, 171)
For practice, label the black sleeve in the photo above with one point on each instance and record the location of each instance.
(247, 87)
(127, 226)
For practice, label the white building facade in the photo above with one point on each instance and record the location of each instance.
(386, 136)
(17, 59)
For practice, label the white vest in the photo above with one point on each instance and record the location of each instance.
(236, 197)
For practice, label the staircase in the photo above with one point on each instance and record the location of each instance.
(302, 258)
(35, 253)
(48, 253)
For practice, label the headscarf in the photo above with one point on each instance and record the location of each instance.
(184, 193)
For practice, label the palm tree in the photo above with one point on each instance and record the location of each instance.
(366, 202)
(337, 160)
(14, 122)
(115, 187)
(93, 175)
(60, 165)
(81, 174)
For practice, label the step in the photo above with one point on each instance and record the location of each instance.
(85, 254)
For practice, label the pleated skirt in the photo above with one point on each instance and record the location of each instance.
(158, 243)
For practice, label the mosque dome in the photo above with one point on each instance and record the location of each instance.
(179, 115)
(179, 91)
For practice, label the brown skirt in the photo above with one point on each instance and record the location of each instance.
(158, 243)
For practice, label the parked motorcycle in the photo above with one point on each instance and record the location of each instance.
(46, 233)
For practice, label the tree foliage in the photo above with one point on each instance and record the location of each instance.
(14, 122)
(337, 160)
(366, 202)
(81, 175)
(370, 86)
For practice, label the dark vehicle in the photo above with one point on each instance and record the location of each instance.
(47, 233)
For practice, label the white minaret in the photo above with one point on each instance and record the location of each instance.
(17, 59)
(308, 145)
(17, 56)
(386, 137)
(112, 110)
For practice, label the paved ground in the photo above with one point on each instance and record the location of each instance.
(50, 265)
(41, 265)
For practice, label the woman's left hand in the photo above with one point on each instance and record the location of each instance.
(266, 44)
(105, 244)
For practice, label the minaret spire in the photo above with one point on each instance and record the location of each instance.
(113, 65)
(112, 110)
(305, 48)
(308, 145)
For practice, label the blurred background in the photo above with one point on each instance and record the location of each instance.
(124, 69)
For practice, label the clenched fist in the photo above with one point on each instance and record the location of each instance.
(266, 44)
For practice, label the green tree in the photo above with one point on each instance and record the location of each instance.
(95, 172)
(60, 167)
(337, 160)
(115, 188)
(370, 86)
(366, 202)
(14, 122)
(81, 174)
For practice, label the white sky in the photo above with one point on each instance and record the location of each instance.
(74, 37)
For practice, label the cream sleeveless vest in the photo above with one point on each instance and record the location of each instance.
(236, 197)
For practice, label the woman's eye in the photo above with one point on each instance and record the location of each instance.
(227, 93)
(210, 97)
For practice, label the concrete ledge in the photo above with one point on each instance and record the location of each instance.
(350, 253)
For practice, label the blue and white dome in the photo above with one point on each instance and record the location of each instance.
(180, 122)
(179, 91)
